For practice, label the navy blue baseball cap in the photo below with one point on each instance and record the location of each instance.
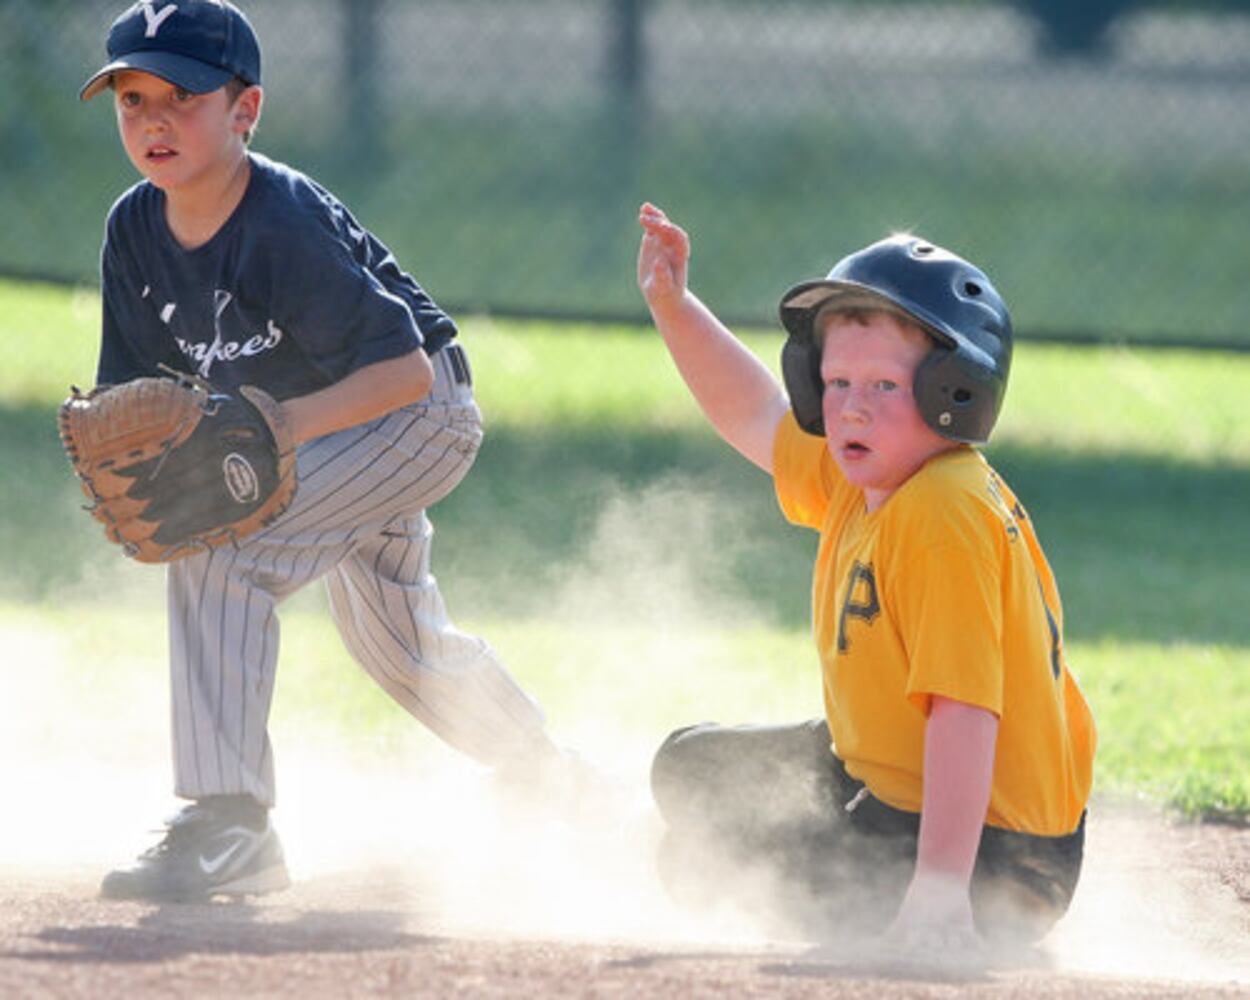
(198, 45)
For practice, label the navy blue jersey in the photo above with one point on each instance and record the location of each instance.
(291, 294)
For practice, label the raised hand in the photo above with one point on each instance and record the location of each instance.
(662, 257)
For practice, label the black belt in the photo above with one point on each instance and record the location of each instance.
(459, 362)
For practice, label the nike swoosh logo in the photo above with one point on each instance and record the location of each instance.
(211, 866)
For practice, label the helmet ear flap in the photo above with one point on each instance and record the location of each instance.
(800, 368)
(956, 397)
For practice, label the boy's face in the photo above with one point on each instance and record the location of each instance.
(176, 138)
(872, 425)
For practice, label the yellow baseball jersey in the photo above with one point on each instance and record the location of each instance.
(942, 590)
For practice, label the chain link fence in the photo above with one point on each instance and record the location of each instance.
(1097, 166)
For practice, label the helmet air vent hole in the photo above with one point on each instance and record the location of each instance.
(963, 396)
(972, 288)
(923, 249)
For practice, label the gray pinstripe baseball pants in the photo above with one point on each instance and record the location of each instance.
(359, 521)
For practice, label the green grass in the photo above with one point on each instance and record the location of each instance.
(538, 213)
(1173, 721)
(635, 573)
(1105, 226)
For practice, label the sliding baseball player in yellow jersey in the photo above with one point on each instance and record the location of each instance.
(942, 797)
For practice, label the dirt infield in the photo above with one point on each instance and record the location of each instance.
(1163, 911)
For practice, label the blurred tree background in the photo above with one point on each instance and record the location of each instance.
(1093, 155)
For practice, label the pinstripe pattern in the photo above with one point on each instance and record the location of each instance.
(359, 522)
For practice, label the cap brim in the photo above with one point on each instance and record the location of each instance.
(189, 74)
(803, 302)
(817, 294)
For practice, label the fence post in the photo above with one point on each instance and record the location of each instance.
(626, 54)
(621, 121)
(360, 116)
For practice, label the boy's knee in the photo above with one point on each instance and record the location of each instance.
(1009, 913)
(1023, 885)
(675, 770)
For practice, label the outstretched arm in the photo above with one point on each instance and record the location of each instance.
(958, 771)
(733, 387)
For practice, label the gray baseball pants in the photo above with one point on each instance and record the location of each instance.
(359, 522)
(768, 816)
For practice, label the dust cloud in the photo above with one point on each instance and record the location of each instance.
(84, 774)
(1143, 909)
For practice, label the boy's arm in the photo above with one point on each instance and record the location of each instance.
(736, 391)
(958, 768)
(365, 394)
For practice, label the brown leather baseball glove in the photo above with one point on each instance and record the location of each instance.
(173, 466)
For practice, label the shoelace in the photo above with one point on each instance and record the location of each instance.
(177, 829)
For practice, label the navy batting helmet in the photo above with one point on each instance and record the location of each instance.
(959, 386)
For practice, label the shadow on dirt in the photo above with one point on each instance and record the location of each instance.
(175, 931)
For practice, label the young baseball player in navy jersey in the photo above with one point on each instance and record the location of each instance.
(942, 796)
(226, 265)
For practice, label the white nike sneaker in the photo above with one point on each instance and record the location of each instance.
(219, 846)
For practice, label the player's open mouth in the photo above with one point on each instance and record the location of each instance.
(855, 449)
(160, 153)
